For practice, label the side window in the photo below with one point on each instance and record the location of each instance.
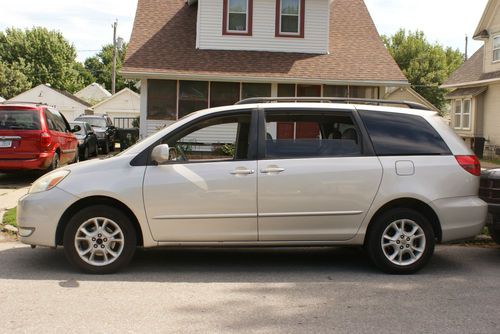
(395, 134)
(49, 118)
(310, 134)
(60, 122)
(215, 139)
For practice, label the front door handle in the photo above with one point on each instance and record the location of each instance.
(272, 170)
(242, 171)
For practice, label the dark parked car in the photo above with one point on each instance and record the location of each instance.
(87, 140)
(34, 137)
(104, 130)
(489, 191)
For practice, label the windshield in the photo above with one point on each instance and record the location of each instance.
(98, 122)
(19, 120)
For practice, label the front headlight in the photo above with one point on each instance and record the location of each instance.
(48, 181)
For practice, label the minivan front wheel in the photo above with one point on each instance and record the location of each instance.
(401, 241)
(99, 240)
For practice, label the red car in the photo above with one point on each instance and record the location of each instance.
(34, 137)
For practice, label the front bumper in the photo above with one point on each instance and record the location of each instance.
(461, 218)
(42, 161)
(38, 215)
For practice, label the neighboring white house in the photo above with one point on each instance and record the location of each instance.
(68, 104)
(93, 93)
(121, 107)
(1, 99)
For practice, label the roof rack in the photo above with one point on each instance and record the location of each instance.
(24, 102)
(410, 105)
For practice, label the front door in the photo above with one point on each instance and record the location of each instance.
(316, 186)
(208, 192)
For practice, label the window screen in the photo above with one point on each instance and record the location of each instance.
(162, 99)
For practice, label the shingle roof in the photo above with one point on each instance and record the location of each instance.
(471, 71)
(464, 92)
(164, 36)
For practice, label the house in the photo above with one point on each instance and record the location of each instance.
(123, 107)
(1, 99)
(93, 93)
(475, 99)
(408, 94)
(191, 55)
(68, 104)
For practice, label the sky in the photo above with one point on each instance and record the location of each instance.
(87, 23)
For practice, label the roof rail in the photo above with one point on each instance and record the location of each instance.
(24, 102)
(411, 105)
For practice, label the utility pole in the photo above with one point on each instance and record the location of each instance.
(113, 79)
(466, 47)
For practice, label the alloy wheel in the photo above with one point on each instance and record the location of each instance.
(403, 242)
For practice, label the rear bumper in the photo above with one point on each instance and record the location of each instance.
(461, 218)
(38, 215)
(42, 161)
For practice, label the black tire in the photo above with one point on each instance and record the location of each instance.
(495, 234)
(112, 146)
(127, 234)
(105, 147)
(55, 162)
(375, 250)
(86, 153)
(96, 152)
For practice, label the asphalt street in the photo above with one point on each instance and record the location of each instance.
(321, 290)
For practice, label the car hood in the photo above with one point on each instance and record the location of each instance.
(98, 129)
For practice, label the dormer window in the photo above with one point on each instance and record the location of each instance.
(290, 18)
(496, 48)
(237, 17)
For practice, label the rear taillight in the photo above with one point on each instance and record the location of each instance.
(470, 163)
(45, 140)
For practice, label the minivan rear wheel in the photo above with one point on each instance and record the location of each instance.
(99, 240)
(401, 241)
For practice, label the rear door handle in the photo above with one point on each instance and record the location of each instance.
(272, 170)
(242, 171)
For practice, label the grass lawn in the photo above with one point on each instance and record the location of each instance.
(492, 161)
(9, 218)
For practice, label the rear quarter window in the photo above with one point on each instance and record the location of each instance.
(402, 134)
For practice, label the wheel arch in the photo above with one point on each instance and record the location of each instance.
(96, 200)
(409, 203)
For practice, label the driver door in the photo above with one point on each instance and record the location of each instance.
(207, 192)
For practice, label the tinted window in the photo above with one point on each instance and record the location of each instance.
(306, 134)
(19, 119)
(402, 134)
(58, 120)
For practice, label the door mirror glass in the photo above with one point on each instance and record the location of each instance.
(76, 128)
(161, 154)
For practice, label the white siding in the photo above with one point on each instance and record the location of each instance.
(491, 115)
(154, 126)
(493, 30)
(123, 104)
(263, 36)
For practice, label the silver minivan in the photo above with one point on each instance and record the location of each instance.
(267, 174)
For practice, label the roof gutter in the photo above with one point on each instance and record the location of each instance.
(471, 83)
(207, 77)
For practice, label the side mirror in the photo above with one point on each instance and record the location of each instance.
(161, 154)
(76, 128)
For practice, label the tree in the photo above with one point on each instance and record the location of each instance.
(13, 81)
(425, 65)
(101, 67)
(48, 57)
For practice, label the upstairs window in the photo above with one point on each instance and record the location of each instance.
(290, 18)
(237, 17)
(496, 48)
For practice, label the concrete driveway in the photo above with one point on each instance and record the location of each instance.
(325, 290)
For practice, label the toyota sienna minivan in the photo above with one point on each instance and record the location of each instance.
(268, 173)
